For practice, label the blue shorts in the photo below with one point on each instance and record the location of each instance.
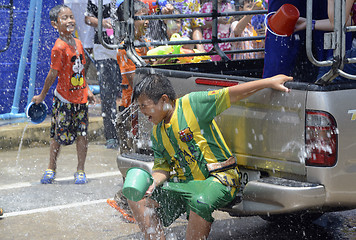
(68, 121)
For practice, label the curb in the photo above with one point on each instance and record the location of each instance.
(35, 135)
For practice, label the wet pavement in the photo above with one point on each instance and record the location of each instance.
(64, 210)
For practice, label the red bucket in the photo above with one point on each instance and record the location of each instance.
(283, 21)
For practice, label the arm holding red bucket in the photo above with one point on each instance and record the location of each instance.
(328, 24)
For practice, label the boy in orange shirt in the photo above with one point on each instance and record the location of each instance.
(70, 102)
(127, 67)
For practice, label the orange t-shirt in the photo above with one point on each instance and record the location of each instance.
(69, 62)
(127, 66)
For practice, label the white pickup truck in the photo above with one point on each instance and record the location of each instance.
(296, 151)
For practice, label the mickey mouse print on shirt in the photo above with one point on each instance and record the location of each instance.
(77, 78)
(69, 61)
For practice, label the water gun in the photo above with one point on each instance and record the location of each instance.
(177, 37)
(164, 50)
(186, 59)
(161, 50)
(180, 49)
(198, 59)
(192, 59)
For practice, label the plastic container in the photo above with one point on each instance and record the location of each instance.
(136, 183)
(110, 32)
(36, 113)
(282, 22)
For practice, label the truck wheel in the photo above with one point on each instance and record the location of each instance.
(297, 218)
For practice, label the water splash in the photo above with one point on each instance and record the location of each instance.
(20, 145)
(296, 146)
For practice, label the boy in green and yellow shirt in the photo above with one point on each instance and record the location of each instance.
(194, 170)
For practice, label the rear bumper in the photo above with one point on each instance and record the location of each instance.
(279, 196)
(261, 197)
(129, 160)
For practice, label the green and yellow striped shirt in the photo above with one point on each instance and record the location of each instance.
(192, 138)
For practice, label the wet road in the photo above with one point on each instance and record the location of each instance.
(67, 211)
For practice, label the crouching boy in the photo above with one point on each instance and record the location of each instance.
(194, 171)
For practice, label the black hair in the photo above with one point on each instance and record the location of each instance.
(154, 86)
(138, 5)
(241, 3)
(54, 12)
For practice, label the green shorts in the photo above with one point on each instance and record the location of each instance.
(201, 197)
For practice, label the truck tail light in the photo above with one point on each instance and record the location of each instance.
(321, 139)
(214, 82)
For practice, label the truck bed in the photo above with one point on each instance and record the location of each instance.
(267, 134)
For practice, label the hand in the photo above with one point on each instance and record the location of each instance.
(256, 6)
(277, 82)
(161, 61)
(301, 24)
(150, 189)
(168, 9)
(91, 97)
(107, 24)
(200, 48)
(223, 20)
(37, 99)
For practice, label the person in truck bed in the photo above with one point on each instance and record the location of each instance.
(194, 171)
(287, 55)
(244, 28)
(328, 25)
(124, 117)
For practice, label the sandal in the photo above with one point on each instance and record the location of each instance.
(48, 176)
(80, 177)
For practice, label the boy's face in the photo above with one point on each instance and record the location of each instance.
(155, 112)
(141, 25)
(65, 22)
(173, 26)
(247, 5)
